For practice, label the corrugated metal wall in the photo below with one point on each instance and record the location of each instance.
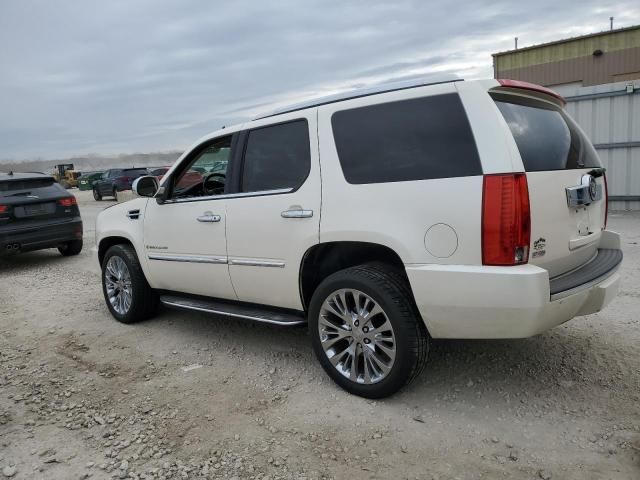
(610, 116)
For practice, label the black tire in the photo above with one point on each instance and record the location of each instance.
(391, 291)
(96, 195)
(68, 249)
(115, 194)
(144, 303)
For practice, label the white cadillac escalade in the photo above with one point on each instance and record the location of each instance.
(381, 219)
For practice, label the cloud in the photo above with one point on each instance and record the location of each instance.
(120, 76)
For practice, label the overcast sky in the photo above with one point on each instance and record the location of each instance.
(106, 77)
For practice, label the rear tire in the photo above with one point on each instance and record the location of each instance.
(398, 337)
(96, 195)
(68, 249)
(115, 194)
(122, 275)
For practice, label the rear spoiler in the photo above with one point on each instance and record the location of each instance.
(519, 84)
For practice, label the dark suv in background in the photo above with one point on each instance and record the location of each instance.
(36, 212)
(116, 180)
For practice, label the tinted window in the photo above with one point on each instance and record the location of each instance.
(547, 137)
(413, 139)
(135, 171)
(276, 157)
(25, 184)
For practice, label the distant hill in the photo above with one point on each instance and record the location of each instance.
(95, 162)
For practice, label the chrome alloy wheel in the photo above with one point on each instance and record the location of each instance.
(356, 336)
(118, 284)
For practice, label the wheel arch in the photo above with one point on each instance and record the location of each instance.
(323, 259)
(108, 242)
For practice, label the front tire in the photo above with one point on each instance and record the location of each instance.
(126, 290)
(68, 249)
(96, 195)
(366, 331)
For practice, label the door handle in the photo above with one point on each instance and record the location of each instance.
(209, 217)
(297, 213)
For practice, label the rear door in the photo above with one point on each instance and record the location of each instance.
(566, 183)
(275, 217)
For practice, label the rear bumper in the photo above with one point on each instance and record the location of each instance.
(504, 302)
(47, 235)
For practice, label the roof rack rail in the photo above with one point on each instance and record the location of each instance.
(360, 92)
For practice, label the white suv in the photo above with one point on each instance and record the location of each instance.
(382, 219)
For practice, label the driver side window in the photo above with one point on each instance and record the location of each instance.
(206, 174)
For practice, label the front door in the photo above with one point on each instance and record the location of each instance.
(185, 239)
(274, 218)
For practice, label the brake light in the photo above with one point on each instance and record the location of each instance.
(606, 200)
(4, 208)
(531, 86)
(67, 201)
(506, 220)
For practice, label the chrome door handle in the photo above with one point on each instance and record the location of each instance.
(297, 213)
(209, 217)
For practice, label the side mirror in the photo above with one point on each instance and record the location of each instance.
(145, 186)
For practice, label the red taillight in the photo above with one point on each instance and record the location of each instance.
(532, 87)
(4, 208)
(67, 202)
(506, 220)
(606, 200)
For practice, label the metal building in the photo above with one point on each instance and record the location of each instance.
(599, 76)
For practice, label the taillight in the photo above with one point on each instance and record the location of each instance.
(4, 208)
(67, 201)
(606, 200)
(506, 220)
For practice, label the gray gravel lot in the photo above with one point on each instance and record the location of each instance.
(191, 396)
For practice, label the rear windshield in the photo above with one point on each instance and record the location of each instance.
(548, 139)
(135, 171)
(25, 184)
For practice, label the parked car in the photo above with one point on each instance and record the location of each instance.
(382, 219)
(87, 179)
(116, 180)
(191, 177)
(36, 213)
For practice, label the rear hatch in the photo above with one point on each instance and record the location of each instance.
(567, 186)
(32, 201)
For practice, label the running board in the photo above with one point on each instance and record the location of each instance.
(248, 312)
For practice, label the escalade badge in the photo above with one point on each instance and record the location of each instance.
(539, 247)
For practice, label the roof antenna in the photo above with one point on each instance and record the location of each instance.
(610, 23)
(516, 39)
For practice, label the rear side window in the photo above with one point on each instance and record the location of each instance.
(415, 139)
(547, 138)
(276, 157)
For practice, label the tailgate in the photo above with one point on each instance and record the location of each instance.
(567, 191)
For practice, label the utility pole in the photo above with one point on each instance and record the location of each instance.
(516, 39)
(610, 23)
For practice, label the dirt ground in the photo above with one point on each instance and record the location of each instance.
(190, 396)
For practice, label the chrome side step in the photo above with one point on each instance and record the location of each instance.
(247, 312)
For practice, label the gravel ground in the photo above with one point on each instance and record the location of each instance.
(191, 396)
